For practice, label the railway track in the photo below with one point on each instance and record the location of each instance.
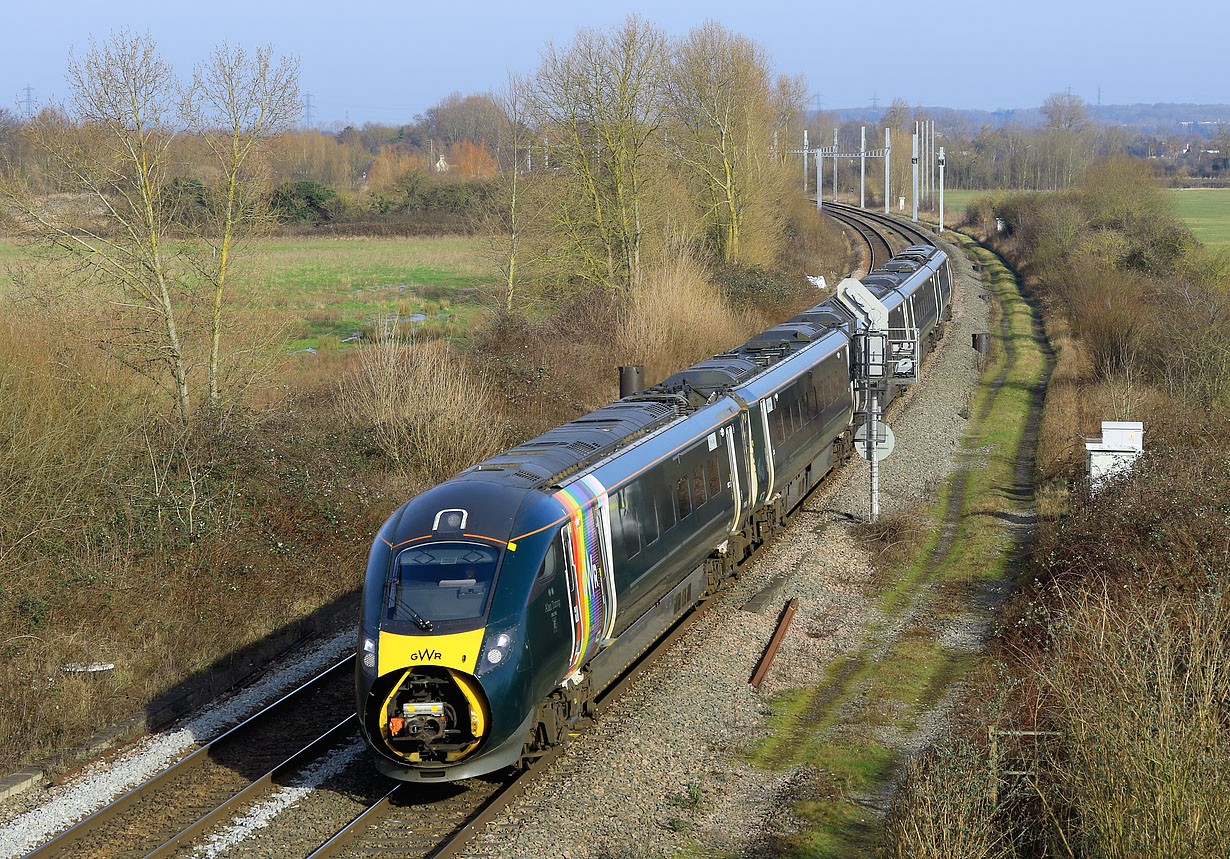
(407, 823)
(174, 811)
(883, 234)
(158, 816)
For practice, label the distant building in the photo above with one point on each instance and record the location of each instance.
(442, 166)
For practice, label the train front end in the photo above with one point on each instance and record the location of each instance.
(444, 681)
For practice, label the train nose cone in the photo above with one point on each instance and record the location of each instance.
(433, 714)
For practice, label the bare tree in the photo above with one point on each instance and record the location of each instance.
(236, 103)
(476, 118)
(513, 104)
(117, 158)
(599, 102)
(1066, 118)
(723, 105)
(790, 106)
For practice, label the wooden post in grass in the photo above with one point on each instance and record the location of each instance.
(993, 764)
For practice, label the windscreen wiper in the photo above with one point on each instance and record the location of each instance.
(424, 623)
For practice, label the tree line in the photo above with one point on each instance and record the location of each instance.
(647, 147)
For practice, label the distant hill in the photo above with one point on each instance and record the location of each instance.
(1162, 118)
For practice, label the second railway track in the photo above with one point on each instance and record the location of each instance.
(883, 234)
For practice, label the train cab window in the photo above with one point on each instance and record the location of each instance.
(440, 582)
(683, 498)
(715, 477)
(698, 484)
(551, 565)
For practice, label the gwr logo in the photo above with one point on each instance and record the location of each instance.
(425, 654)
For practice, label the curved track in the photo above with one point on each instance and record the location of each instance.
(883, 234)
(173, 811)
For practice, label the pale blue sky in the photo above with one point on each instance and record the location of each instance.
(386, 61)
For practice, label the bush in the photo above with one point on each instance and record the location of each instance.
(188, 199)
(422, 192)
(302, 202)
(1139, 692)
(753, 286)
(943, 808)
(1163, 525)
(676, 318)
(428, 413)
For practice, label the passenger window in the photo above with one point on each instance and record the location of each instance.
(647, 515)
(683, 499)
(698, 485)
(779, 426)
(715, 477)
(666, 508)
(628, 521)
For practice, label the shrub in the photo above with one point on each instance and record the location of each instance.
(428, 413)
(300, 202)
(943, 808)
(1139, 693)
(753, 286)
(676, 318)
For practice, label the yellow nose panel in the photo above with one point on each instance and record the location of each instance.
(459, 651)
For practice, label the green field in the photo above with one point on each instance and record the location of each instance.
(955, 203)
(1207, 212)
(334, 288)
(325, 290)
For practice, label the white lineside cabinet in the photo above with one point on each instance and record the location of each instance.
(1115, 452)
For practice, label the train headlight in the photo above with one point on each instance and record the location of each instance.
(369, 653)
(497, 651)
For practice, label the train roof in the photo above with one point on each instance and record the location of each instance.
(573, 447)
(570, 447)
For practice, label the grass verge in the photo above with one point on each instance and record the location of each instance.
(847, 728)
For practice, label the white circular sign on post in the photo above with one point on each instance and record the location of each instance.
(883, 445)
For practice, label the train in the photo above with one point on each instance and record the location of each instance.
(498, 605)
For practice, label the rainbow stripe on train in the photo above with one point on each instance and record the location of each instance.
(589, 575)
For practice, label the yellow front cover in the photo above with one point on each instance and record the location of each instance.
(459, 651)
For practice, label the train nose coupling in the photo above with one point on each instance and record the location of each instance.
(419, 721)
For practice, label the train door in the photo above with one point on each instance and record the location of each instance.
(589, 568)
(762, 447)
(742, 489)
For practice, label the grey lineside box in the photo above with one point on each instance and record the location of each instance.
(1115, 452)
